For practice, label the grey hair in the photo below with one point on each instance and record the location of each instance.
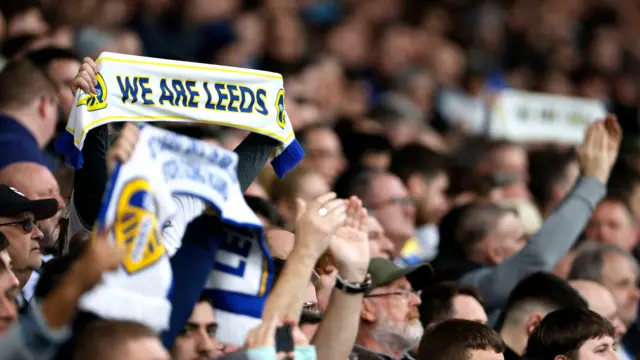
(589, 261)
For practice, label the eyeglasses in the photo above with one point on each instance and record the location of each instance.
(27, 224)
(406, 294)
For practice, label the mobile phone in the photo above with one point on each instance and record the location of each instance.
(284, 339)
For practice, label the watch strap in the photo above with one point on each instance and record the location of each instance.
(353, 288)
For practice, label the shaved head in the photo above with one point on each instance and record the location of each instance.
(36, 182)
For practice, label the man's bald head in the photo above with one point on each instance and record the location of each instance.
(601, 301)
(36, 182)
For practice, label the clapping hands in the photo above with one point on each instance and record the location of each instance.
(350, 245)
(317, 222)
(339, 226)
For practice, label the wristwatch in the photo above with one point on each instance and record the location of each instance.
(353, 288)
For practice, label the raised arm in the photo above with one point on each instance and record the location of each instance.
(38, 334)
(564, 225)
(253, 152)
(315, 226)
(89, 181)
(350, 250)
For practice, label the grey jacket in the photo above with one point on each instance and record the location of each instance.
(30, 338)
(559, 232)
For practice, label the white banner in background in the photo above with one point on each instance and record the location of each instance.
(525, 116)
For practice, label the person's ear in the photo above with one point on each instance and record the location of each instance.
(415, 186)
(369, 311)
(43, 108)
(533, 321)
(493, 252)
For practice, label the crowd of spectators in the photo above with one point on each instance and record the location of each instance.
(441, 242)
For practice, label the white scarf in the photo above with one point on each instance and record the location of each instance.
(138, 201)
(135, 88)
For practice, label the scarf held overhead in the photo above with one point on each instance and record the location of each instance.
(140, 89)
(138, 201)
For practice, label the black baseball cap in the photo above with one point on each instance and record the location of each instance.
(384, 272)
(14, 203)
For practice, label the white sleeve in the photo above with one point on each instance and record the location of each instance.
(187, 209)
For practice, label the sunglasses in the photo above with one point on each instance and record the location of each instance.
(27, 224)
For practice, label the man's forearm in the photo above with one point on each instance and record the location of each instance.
(337, 331)
(90, 180)
(287, 297)
(253, 152)
(559, 231)
(60, 306)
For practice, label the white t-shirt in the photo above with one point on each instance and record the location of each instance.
(30, 287)
(187, 209)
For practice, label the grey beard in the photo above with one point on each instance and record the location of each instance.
(397, 338)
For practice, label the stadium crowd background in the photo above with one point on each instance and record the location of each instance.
(391, 100)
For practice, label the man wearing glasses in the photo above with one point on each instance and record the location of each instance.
(18, 222)
(389, 319)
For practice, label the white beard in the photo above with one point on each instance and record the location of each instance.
(396, 337)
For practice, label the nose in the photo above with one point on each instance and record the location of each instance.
(410, 210)
(13, 280)
(61, 202)
(386, 245)
(415, 299)
(619, 326)
(205, 343)
(37, 234)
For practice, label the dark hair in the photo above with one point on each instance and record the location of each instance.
(356, 181)
(624, 202)
(4, 242)
(437, 301)
(361, 144)
(623, 180)
(454, 339)
(101, 338)
(563, 332)
(43, 57)
(266, 209)
(546, 289)
(417, 159)
(12, 46)
(464, 227)
(12, 8)
(463, 178)
(547, 169)
(21, 82)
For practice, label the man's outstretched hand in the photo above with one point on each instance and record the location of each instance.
(600, 148)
